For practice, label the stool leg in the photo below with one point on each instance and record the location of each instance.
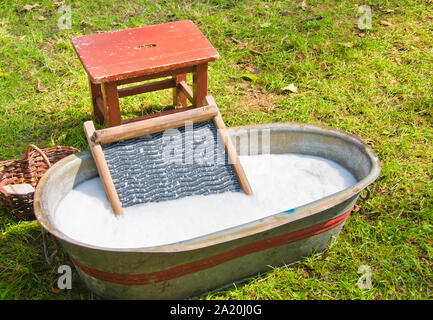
(111, 102)
(179, 98)
(95, 92)
(200, 84)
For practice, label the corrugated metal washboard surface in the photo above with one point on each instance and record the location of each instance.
(169, 165)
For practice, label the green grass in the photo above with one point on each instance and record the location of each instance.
(376, 84)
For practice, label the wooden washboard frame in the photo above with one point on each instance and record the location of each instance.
(144, 127)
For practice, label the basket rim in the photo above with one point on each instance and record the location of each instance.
(13, 171)
(48, 149)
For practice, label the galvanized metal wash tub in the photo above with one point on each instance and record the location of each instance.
(188, 268)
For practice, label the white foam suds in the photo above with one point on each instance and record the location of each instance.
(279, 183)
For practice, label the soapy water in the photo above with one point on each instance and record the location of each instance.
(279, 181)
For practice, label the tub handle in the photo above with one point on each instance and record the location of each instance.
(367, 196)
(49, 257)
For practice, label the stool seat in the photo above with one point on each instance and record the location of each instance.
(134, 55)
(116, 55)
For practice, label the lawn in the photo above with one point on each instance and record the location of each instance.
(375, 83)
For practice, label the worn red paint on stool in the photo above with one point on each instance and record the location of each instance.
(115, 55)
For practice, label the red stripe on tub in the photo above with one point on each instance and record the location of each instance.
(202, 264)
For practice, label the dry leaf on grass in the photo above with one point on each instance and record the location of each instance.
(85, 23)
(356, 208)
(245, 44)
(385, 23)
(41, 87)
(29, 7)
(304, 6)
(347, 44)
(291, 87)
(397, 61)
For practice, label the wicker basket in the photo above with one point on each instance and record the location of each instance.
(28, 170)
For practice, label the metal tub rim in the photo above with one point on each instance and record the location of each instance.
(236, 232)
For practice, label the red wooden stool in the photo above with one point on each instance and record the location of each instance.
(139, 54)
